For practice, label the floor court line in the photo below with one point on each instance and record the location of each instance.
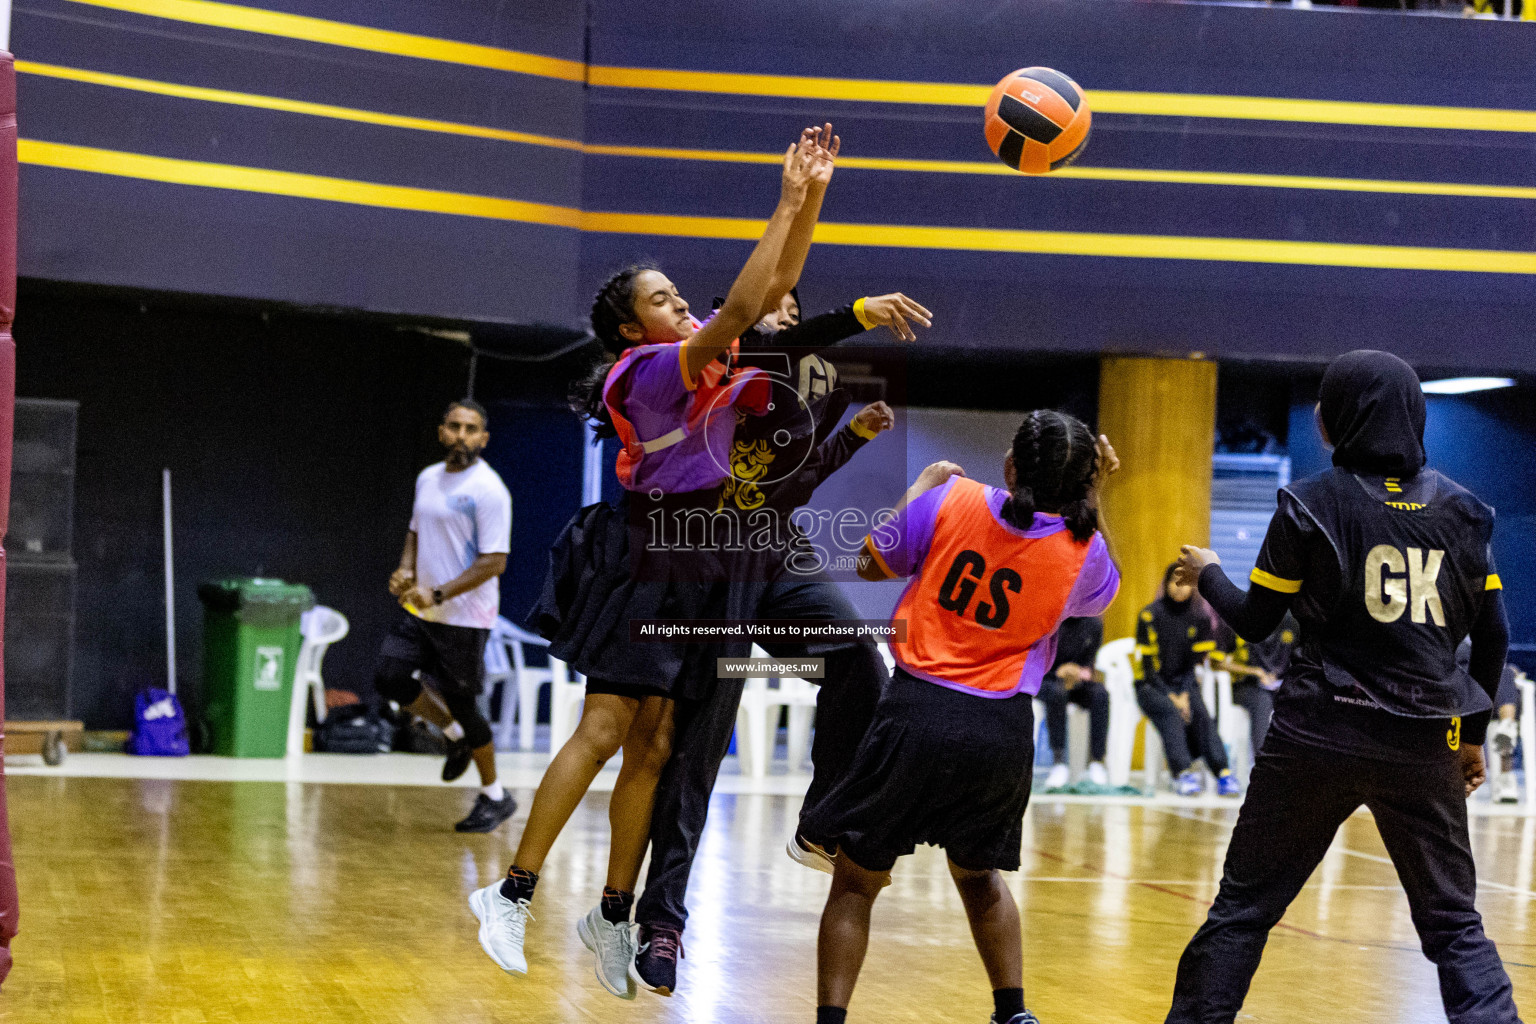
(1482, 883)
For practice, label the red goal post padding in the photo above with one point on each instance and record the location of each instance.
(9, 904)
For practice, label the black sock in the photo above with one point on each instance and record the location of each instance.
(1009, 1003)
(616, 905)
(519, 884)
(831, 1015)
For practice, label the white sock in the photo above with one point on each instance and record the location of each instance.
(455, 731)
(494, 791)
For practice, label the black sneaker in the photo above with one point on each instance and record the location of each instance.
(1019, 1018)
(655, 965)
(487, 814)
(459, 756)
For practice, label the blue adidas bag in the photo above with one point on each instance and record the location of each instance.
(159, 727)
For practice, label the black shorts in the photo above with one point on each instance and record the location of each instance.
(937, 766)
(635, 691)
(453, 656)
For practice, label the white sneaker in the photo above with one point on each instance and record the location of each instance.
(1060, 775)
(808, 854)
(503, 924)
(614, 945)
(1098, 775)
(1505, 789)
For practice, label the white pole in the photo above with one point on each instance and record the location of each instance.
(591, 466)
(170, 587)
(5, 24)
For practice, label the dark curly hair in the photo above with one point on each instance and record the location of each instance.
(1056, 461)
(613, 307)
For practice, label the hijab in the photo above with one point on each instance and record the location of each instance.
(1372, 406)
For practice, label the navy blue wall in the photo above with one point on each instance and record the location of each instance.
(293, 439)
(474, 256)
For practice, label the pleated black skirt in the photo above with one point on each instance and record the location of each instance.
(937, 766)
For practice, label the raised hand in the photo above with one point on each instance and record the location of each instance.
(1109, 462)
(827, 146)
(800, 161)
(893, 311)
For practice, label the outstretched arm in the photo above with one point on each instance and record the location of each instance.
(871, 566)
(744, 302)
(798, 245)
(1253, 615)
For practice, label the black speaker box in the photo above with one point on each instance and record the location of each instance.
(43, 480)
(39, 639)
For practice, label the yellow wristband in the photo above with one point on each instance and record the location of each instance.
(858, 311)
(862, 431)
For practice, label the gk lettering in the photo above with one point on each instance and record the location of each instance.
(1395, 582)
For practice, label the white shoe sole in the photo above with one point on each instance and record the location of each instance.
(590, 941)
(818, 861)
(479, 903)
(814, 859)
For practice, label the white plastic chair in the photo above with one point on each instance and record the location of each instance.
(1233, 725)
(1077, 735)
(1528, 734)
(506, 663)
(1125, 717)
(1114, 661)
(757, 720)
(320, 627)
(567, 692)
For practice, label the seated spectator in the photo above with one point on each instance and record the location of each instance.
(1257, 671)
(1505, 729)
(1173, 637)
(1073, 680)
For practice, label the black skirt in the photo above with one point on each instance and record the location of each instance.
(937, 766)
(604, 571)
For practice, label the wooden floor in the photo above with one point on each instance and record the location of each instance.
(181, 902)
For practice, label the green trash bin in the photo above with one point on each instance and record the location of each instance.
(250, 651)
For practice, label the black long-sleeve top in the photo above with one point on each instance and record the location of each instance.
(1078, 642)
(1172, 638)
(816, 449)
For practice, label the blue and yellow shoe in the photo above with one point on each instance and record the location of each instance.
(1227, 785)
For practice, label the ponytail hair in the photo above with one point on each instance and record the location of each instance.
(612, 308)
(1056, 462)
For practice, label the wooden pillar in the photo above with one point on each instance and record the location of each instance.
(1160, 414)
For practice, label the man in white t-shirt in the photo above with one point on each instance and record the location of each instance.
(432, 662)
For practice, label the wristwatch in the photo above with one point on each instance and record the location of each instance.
(437, 595)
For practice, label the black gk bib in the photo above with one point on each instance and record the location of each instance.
(1411, 568)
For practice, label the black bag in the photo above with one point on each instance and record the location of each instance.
(353, 729)
(415, 736)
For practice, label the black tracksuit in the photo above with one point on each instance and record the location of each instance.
(855, 672)
(1172, 638)
(1387, 567)
(1077, 643)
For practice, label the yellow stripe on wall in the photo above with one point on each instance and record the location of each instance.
(289, 183)
(992, 168)
(246, 99)
(987, 168)
(1163, 104)
(357, 37)
(1082, 243)
(1072, 243)
(1262, 108)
